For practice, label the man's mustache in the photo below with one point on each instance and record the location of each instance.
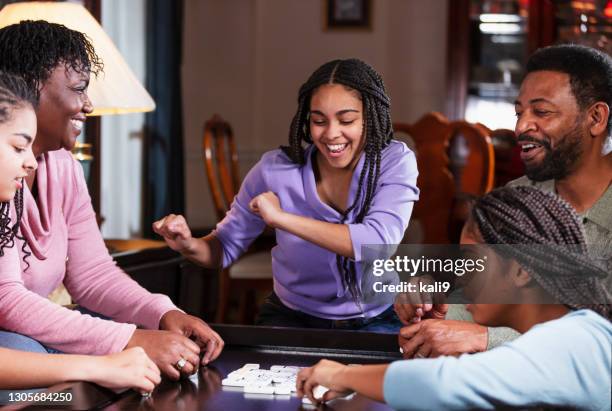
(526, 138)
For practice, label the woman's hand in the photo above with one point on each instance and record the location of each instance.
(193, 327)
(166, 349)
(176, 232)
(267, 206)
(326, 373)
(412, 307)
(130, 368)
(413, 313)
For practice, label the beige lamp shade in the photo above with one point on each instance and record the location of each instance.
(114, 91)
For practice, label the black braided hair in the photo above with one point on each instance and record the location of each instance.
(33, 49)
(14, 94)
(549, 243)
(377, 131)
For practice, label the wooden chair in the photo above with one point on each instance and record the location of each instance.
(508, 163)
(430, 137)
(253, 271)
(477, 175)
(440, 210)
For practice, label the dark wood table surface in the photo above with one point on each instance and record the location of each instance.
(266, 346)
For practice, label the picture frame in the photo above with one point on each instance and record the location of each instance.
(348, 14)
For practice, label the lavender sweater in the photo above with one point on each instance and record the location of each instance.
(66, 245)
(306, 277)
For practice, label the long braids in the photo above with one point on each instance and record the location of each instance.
(377, 132)
(14, 94)
(547, 240)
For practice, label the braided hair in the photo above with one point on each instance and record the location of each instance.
(14, 94)
(33, 49)
(356, 75)
(540, 225)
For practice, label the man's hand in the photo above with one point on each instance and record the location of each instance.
(191, 326)
(434, 338)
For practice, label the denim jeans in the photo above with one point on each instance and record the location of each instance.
(274, 313)
(22, 343)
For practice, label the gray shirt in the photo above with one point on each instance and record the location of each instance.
(597, 220)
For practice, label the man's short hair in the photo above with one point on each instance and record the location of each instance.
(589, 70)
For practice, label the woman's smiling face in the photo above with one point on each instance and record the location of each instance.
(336, 124)
(62, 108)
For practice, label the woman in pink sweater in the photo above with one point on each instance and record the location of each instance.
(61, 241)
(130, 368)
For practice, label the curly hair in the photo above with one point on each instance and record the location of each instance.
(377, 131)
(548, 242)
(14, 94)
(589, 71)
(33, 49)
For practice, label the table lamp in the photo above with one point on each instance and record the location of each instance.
(114, 91)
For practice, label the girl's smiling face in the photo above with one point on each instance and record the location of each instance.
(16, 157)
(336, 124)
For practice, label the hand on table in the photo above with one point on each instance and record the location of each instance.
(326, 373)
(190, 326)
(166, 349)
(131, 368)
(434, 338)
(175, 231)
(267, 206)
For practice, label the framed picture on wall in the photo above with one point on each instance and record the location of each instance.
(348, 14)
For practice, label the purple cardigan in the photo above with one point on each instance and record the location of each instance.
(66, 245)
(306, 277)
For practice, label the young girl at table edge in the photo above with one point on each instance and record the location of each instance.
(20, 369)
(342, 183)
(562, 359)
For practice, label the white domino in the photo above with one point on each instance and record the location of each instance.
(228, 382)
(258, 389)
(195, 379)
(283, 389)
(282, 376)
(251, 379)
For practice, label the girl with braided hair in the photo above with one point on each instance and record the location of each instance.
(342, 182)
(22, 369)
(563, 357)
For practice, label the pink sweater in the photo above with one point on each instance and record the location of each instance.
(66, 245)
